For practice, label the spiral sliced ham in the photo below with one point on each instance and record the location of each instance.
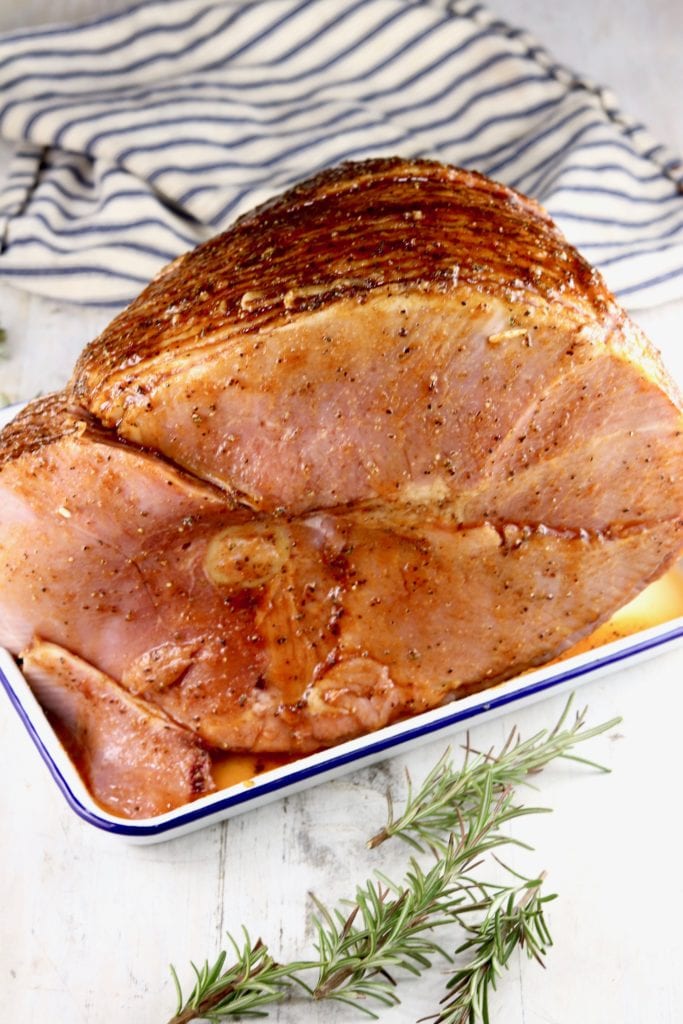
(387, 440)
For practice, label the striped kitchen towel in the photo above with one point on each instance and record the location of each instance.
(140, 134)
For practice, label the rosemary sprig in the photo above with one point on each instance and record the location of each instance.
(386, 924)
(431, 813)
(387, 928)
(253, 981)
(514, 919)
(383, 930)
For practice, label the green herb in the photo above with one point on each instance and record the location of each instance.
(254, 980)
(384, 929)
(387, 929)
(447, 792)
(514, 919)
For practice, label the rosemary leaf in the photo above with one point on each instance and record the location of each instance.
(249, 983)
(383, 929)
(433, 812)
(515, 919)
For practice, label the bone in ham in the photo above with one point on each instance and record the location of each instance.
(387, 440)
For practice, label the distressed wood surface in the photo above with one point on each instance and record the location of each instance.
(88, 925)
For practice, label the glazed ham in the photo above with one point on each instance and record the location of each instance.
(386, 441)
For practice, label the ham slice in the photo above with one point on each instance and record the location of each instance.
(135, 762)
(387, 440)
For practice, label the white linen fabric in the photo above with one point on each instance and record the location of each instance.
(140, 134)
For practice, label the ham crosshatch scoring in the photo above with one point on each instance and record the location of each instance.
(386, 441)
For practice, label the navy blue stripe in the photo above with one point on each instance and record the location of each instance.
(69, 271)
(314, 38)
(529, 143)
(612, 222)
(634, 254)
(674, 168)
(459, 50)
(351, 153)
(189, 47)
(220, 219)
(284, 154)
(589, 169)
(238, 87)
(326, 65)
(66, 30)
(626, 242)
(264, 33)
(470, 75)
(236, 90)
(34, 153)
(569, 144)
(105, 135)
(649, 153)
(485, 94)
(109, 228)
(233, 143)
(480, 159)
(441, 22)
(71, 96)
(548, 164)
(277, 97)
(428, 69)
(130, 246)
(16, 177)
(401, 134)
(653, 281)
(236, 143)
(629, 198)
(178, 100)
(125, 69)
(92, 198)
(624, 149)
(115, 305)
(96, 204)
(501, 119)
(278, 118)
(367, 36)
(99, 201)
(77, 174)
(119, 45)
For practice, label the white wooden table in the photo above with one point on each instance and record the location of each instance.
(88, 926)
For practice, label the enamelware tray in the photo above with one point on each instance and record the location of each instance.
(651, 624)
